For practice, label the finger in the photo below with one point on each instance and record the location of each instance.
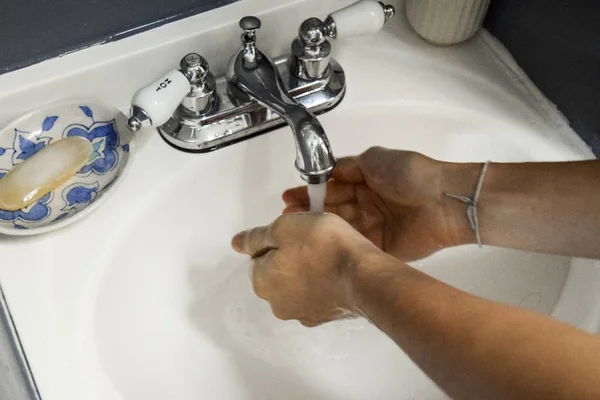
(253, 242)
(311, 324)
(297, 195)
(340, 192)
(348, 211)
(343, 314)
(280, 313)
(295, 209)
(258, 275)
(348, 170)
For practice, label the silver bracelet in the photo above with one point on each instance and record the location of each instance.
(472, 203)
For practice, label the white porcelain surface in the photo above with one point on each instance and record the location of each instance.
(150, 302)
(158, 99)
(207, 328)
(361, 18)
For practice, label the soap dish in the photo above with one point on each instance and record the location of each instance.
(114, 145)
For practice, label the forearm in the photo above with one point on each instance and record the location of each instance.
(545, 207)
(473, 348)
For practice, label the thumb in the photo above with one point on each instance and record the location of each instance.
(253, 242)
(348, 169)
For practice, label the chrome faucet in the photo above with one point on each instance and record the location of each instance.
(195, 112)
(255, 75)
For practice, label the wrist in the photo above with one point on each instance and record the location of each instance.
(458, 179)
(372, 271)
(384, 285)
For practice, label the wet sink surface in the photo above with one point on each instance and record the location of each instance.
(172, 315)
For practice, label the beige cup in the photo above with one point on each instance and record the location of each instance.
(446, 22)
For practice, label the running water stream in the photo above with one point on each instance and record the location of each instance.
(316, 194)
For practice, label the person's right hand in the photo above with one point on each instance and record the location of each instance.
(395, 199)
(305, 266)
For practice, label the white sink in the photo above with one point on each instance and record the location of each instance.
(144, 300)
(173, 305)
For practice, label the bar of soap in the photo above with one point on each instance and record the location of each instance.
(43, 172)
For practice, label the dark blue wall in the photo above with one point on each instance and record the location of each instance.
(557, 42)
(34, 30)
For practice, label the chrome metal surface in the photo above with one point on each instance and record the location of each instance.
(250, 23)
(238, 117)
(311, 32)
(388, 10)
(138, 119)
(261, 80)
(311, 52)
(201, 98)
(16, 380)
(258, 94)
(194, 67)
(329, 27)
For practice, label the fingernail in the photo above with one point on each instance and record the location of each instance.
(236, 242)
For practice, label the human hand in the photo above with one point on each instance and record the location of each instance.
(395, 199)
(303, 265)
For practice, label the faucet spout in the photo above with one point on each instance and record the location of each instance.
(314, 158)
(255, 74)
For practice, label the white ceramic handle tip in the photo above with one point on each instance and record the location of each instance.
(160, 98)
(361, 18)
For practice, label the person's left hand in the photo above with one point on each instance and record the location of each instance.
(303, 265)
(396, 200)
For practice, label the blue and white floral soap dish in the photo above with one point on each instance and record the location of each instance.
(114, 145)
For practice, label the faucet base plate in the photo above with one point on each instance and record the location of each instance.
(233, 122)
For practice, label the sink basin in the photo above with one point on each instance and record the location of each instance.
(144, 299)
(172, 305)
